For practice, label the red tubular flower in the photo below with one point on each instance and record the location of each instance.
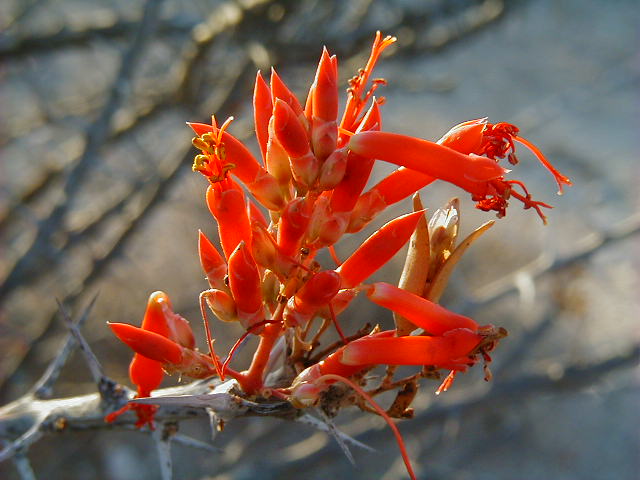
(292, 136)
(324, 129)
(480, 176)
(221, 303)
(395, 187)
(433, 318)
(163, 337)
(172, 357)
(160, 318)
(319, 290)
(415, 350)
(358, 168)
(256, 215)
(378, 249)
(325, 98)
(223, 153)
(293, 225)
(271, 278)
(357, 93)
(496, 141)
(333, 169)
(279, 90)
(426, 157)
(244, 282)
(150, 345)
(226, 203)
(268, 254)
(262, 110)
(214, 266)
(277, 160)
(332, 364)
(289, 131)
(465, 137)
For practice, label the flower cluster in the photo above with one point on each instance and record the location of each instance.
(306, 193)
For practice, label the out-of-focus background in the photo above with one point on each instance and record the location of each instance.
(96, 195)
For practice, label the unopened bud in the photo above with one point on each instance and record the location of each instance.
(267, 191)
(333, 170)
(221, 304)
(305, 169)
(324, 136)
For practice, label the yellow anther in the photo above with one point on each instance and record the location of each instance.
(201, 145)
(200, 162)
(220, 151)
(208, 137)
(227, 167)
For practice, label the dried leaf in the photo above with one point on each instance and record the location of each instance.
(436, 287)
(416, 266)
(400, 408)
(443, 232)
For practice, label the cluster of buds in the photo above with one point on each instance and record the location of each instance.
(305, 195)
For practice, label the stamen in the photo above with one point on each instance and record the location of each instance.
(447, 382)
(249, 331)
(356, 97)
(344, 131)
(222, 129)
(528, 202)
(334, 256)
(212, 353)
(560, 179)
(334, 319)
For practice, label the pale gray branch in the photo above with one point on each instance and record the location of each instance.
(23, 466)
(194, 443)
(324, 427)
(162, 441)
(43, 387)
(333, 431)
(22, 444)
(92, 361)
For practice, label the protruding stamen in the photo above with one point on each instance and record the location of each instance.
(560, 179)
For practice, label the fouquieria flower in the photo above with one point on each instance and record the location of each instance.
(306, 193)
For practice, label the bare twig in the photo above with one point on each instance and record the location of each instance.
(162, 440)
(29, 418)
(324, 427)
(23, 466)
(92, 361)
(22, 444)
(512, 392)
(43, 387)
(333, 431)
(194, 443)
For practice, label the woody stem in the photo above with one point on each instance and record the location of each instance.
(251, 380)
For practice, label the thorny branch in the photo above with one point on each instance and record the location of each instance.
(30, 418)
(515, 390)
(43, 387)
